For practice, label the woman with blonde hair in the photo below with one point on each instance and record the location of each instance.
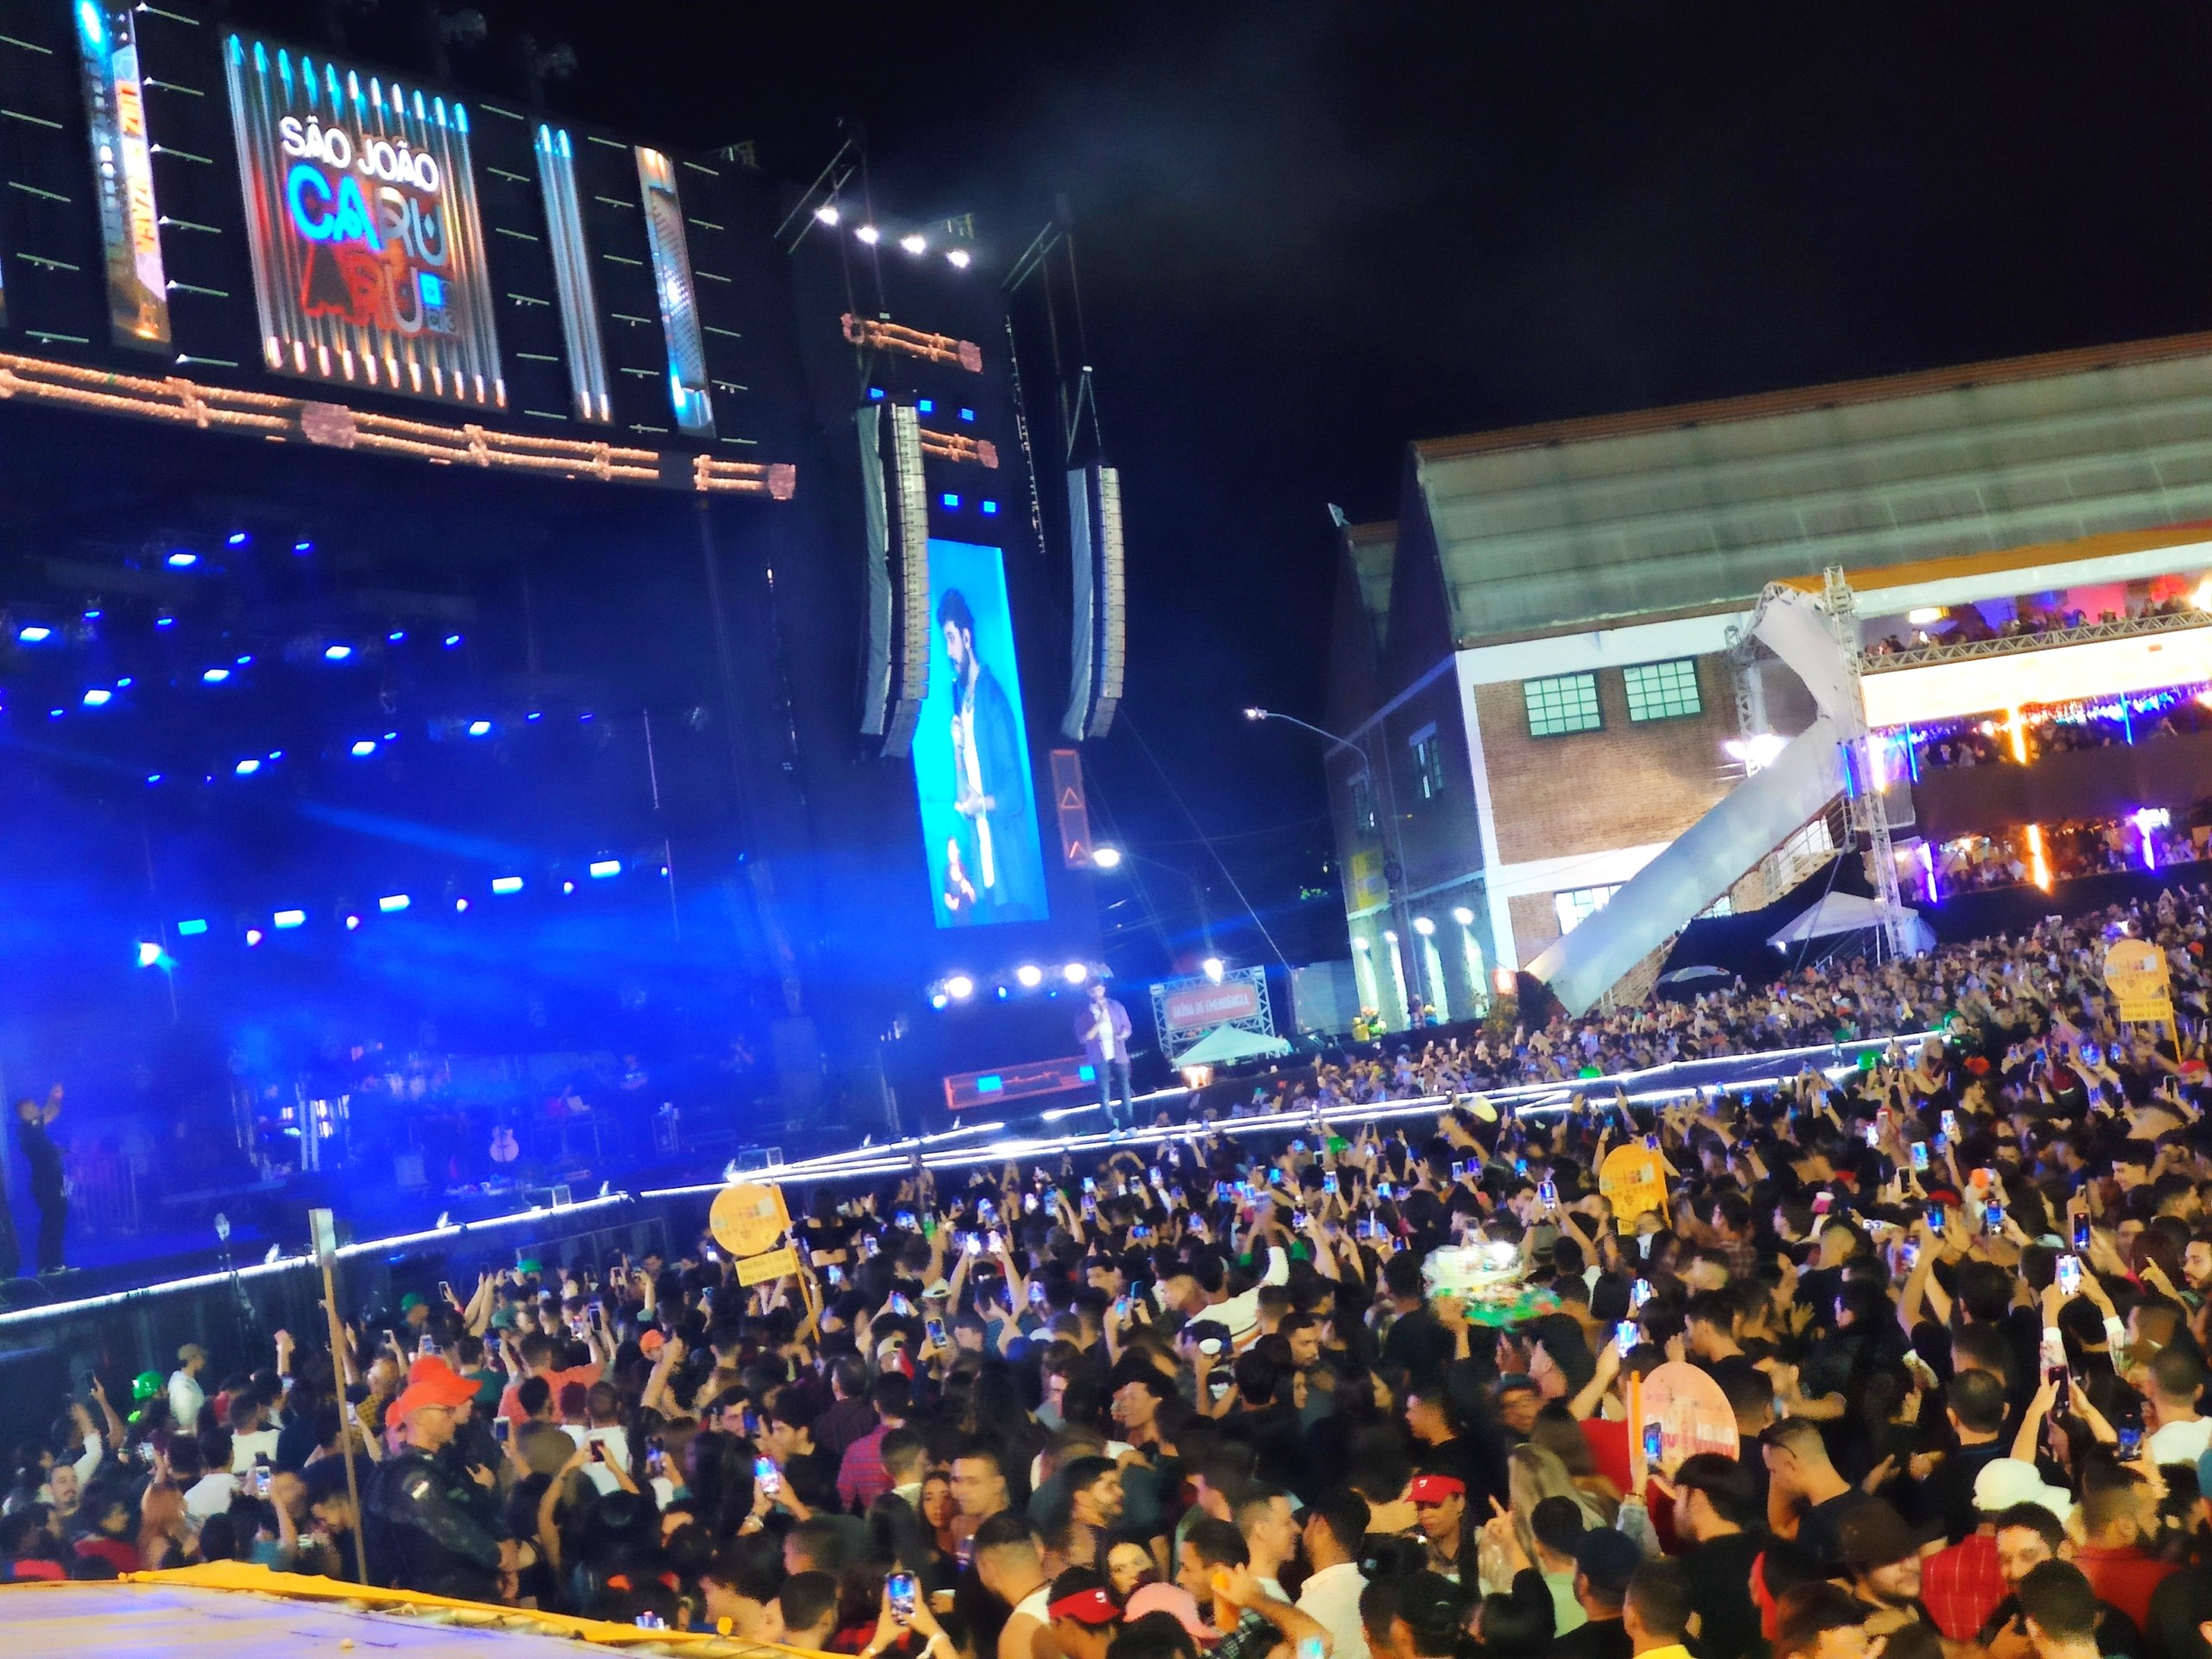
(1557, 1432)
(1533, 1474)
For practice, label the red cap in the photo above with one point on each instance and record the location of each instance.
(1435, 1489)
(1085, 1607)
(430, 1381)
(652, 1342)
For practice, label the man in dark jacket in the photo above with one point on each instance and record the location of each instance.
(427, 1528)
(49, 1190)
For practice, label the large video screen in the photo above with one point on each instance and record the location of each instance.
(971, 750)
(360, 207)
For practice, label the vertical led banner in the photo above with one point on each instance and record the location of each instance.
(679, 301)
(123, 176)
(360, 209)
(564, 221)
(971, 749)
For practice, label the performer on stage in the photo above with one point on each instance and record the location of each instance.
(996, 870)
(48, 1189)
(1103, 1025)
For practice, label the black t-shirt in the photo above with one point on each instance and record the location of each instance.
(41, 1156)
(1601, 1639)
(1720, 1574)
(1948, 1490)
(1818, 1530)
(2181, 1603)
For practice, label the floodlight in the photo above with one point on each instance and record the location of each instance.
(99, 697)
(828, 214)
(182, 560)
(914, 242)
(336, 653)
(957, 259)
(600, 868)
(869, 234)
(507, 884)
(1074, 973)
(290, 919)
(1106, 858)
(1030, 974)
(959, 988)
(393, 903)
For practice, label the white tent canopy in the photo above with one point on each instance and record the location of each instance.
(1226, 1043)
(1846, 912)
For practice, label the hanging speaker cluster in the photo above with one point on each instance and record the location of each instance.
(895, 658)
(1099, 645)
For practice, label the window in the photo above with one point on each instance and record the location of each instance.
(1363, 805)
(1662, 690)
(1576, 907)
(1428, 762)
(1557, 706)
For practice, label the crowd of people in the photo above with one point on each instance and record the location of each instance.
(1989, 742)
(1964, 624)
(1209, 1394)
(2070, 849)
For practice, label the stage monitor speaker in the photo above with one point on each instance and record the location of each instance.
(895, 656)
(1099, 636)
(1073, 807)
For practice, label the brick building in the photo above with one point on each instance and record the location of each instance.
(1537, 665)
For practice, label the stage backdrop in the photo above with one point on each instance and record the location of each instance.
(971, 750)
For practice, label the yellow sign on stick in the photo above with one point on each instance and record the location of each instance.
(749, 1218)
(2136, 972)
(774, 1265)
(1635, 1180)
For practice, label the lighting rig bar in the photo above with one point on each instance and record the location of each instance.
(183, 402)
(877, 333)
(959, 447)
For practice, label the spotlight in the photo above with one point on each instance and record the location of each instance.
(216, 675)
(34, 634)
(193, 929)
(568, 887)
(148, 953)
(163, 619)
(603, 868)
(290, 919)
(393, 903)
(93, 614)
(1001, 992)
(914, 242)
(869, 234)
(1030, 974)
(1106, 858)
(938, 999)
(507, 884)
(452, 639)
(245, 661)
(959, 988)
(246, 768)
(1462, 915)
(479, 728)
(336, 653)
(123, 684)
(460, 906)
(1388, 937)
(366, 745)
(1213, 968)
(1423, 926)
(302, 547)
(826, 213)
(1074, 973)
(238, 538)
(957, 259)
(396, 635)
(182, 560)
(352, 921)
(99, 697)
(153, 777)
(253, 936)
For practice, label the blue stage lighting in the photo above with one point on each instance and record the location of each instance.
(290, 919)
(396, 635)
(352, 921)
(535, 714)
(253, 936)
(276, 754)
(99, 697)
(507, 884)
(165, 621)
(875, 394)
(93, 614)
(148, 953)
(968, 415)
(452, 639)
(247, 768)
(393, 903)
(238, 538)
(181, 559)
(567, 886)
(959, 986)
(246, 661)
(123, 684)
(990, 509)
(216, 675)
(603, 868)
(153, 777)
(950, 500)
(302, 547)
(938, 999)
(364, 746)
(479, 728)
(336, 653)
(925, 405)
(193, 929)
(460, 906)
(35, 634)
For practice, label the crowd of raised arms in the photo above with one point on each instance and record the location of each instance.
(1194, 1394)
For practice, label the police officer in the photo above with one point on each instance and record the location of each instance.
(427, 1528)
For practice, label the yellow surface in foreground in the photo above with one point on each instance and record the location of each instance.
(242, 1612)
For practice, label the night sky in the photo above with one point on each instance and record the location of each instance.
(1310, 232)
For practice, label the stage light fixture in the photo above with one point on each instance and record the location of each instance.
(246, 768)
(868, 234)
(182, 560)
(1001, 992)
(153, 777)
(1423, 926)
(507, 884)
(290, 919)
(1213, 968)
(568, 887)
(193, 929)
(460, 906)
(148, 953)
(302, 547)
(123, 684)
(452, 639)
(253, 936)
(246, 661)
(1106, 858)
(603, 868)
(352, 921)
(336, 653)
(959, 986)
(393, 903)
(1074, 973)
(55, 714)
(276, 754)
(1030, 974)
(950, 501)
(163, 619)
(938, 999)
(366, 745)
(914, 242)
(34, 634)
(238, 538)
(826, 213)
(99, 697)
(94, 615)
(216, 675)
(1462, 915)
(479, 728)
(990, 509)
(956, 257)
(535, 713)
(398, 636)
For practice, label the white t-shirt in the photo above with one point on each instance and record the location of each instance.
(1330, 1599)
(186, 1398)
(245, 1448)
(210, 1495)
(617, 1443)
(2181, 1442)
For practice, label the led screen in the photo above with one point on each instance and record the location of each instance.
(368, 258)
(123, 176)
(971, 750)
